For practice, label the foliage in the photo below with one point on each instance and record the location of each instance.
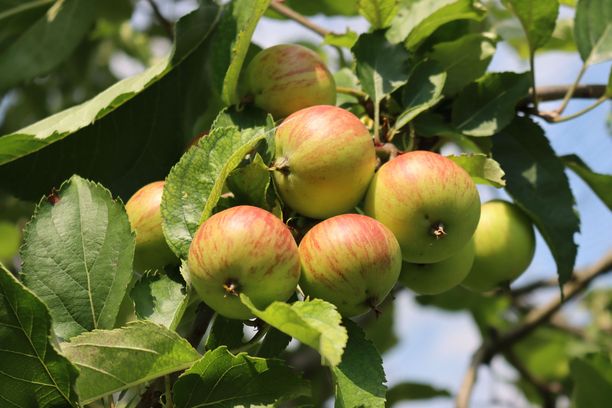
(79, 326)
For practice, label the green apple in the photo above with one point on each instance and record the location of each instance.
(504, 246)
(152, 251)
(434, 278)
(243, 249)
(286, 78)
(429, 202)
(325, 159)
(10, 238)
(350, 260)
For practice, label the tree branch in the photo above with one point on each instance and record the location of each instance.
(535, 318)
(555, 93)
(288, 12)
(166, 25)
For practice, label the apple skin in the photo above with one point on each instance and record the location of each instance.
(417, 193)
(288, 77)
(350, 260)
(143, 210)
(249, 248)
(325, 159)
(435, 278)
(504, 246)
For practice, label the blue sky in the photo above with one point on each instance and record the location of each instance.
(436, 346)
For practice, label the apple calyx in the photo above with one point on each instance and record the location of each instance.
(438, 231)
(231, 287)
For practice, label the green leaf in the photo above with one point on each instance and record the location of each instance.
(347, 40)
(601, 184)
(16, 16)
(592, 377)
(159, 299)
(417, 20)
(77, 257)
(410, 391)
(379, 13)
(488, 105)
(252, 185)
(46, 43)
(221, 379)
(231, 43)
(346, 78)
(114, 360)
(483, 169)
(10, 238)
(356, 386)
(593, 30)
(149, 115)
(545, 353)
(464, 60)
(34, 374)
(195, 183)
(435, 125)
(315, 323)
(381, 67)
(273, 344)
(536, 181)
(225, 332)
(380, 327)
(422, 91)
(537, 19)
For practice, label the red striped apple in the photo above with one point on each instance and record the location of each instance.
(350, 260)
(504, 246)
(152, 251)
(243, 249)
(288, 77)
(325, 159)
(434, 278)
(429, 202)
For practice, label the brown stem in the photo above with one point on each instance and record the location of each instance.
(166, 25)
(288, 12)
(533, 320)
(388, 150)
(555, 93)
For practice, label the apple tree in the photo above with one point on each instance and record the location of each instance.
(279, 199)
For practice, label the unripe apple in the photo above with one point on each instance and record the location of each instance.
(243, 249)
(434, 278)
(429, 202)
(288, 77)
(350, 260)
(504, 246)
(325, 159)
(152, 251)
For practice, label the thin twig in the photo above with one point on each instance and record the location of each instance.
(571, 90)
(388, 150)
(298, 18)
(166, 25)
(358, 93)
(534, 319)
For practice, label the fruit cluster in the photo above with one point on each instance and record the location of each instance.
(423, 221)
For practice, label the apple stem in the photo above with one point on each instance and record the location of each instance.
(372, 303)
(281, 164)
(438, 230)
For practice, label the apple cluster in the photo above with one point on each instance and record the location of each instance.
(420, 219)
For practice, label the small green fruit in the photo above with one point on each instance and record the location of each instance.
(325, 159)
(434, 278)
(152, 251)
(351, 261)
(429, 202)
(243, 249)
(286, 78)
(504, 246)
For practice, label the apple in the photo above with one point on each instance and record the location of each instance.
(152, 251)
(243, 249)
(504, 245)
(350, 260)
(288, 77)
(325, 159)
(429, 202)
(434, 278)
